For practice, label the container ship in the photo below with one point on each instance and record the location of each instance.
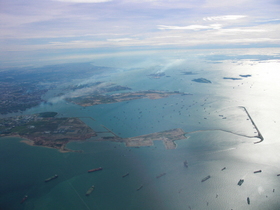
(51, 178)
(125, 175)
(95, 169)
(204, 179)
(240, 182)
(90, 190)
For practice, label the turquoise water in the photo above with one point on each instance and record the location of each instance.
(24, 168)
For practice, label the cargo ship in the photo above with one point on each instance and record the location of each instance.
(90, 190)
(240, 182)
(160, 175)
(51, 178)
(139, 188)
(125, 175)
(206, 178)
(95, 169)
(248, 200)
(24, 199)
(259, 171)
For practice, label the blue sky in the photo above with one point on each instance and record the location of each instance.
(47, 31)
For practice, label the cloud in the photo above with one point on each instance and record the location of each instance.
(84, 1)
(120, 40)
(224, 17)
(190, 27)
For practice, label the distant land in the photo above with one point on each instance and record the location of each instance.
(202, 80)
(188, 73)
(232, 78)
(90, 100)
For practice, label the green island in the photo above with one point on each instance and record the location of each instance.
(44, 129)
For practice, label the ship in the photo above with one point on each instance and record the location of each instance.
(24, 199)
(160, 175)
(259, 171)
(224, 168)
(51, 178)
(248, 200)
(240, 182)
(204, 179)
(278, 174)
(139, 188)
(90, 190)
(95, 169)
(186, 164)
(125, 175)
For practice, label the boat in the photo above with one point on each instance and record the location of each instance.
(278, 174)
(186, 164)
(125, 175)
(95, 169)
(160, 175)
(90, 190)
(51, 178)
(204, 179)
(139, 188)
(223, 168)
(259, 171)
(240, 182)
(24, 199)
(248, 200)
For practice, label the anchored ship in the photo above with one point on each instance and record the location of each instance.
(95, 169)
(125, 175)
(90, 190)
(240, 182)
(204, 179)
(24, 199)
(160, 175)
(51, 178)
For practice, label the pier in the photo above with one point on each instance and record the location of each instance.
(252, 121)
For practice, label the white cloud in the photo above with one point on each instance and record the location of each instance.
(190, 27)
(224, 17)
(84, 1)
(119, 40)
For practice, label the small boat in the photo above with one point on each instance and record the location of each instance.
(186, 164)
(206, 178)
(278, 174)
(223, 168)
(259, 171)
(51, 178)
(90, 190)
(240, 182)
(248, 200)
(95, 169)
(125, 175)
(24, 199)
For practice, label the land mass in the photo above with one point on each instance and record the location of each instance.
(95, 99)
(45, 130)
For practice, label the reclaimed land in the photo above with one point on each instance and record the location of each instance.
(168, 138)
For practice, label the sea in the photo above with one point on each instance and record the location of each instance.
(220, 143)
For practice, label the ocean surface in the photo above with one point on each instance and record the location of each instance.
(220, 135)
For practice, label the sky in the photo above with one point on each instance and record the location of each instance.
(48, 31)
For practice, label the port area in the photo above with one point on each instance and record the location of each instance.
(167, 137)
